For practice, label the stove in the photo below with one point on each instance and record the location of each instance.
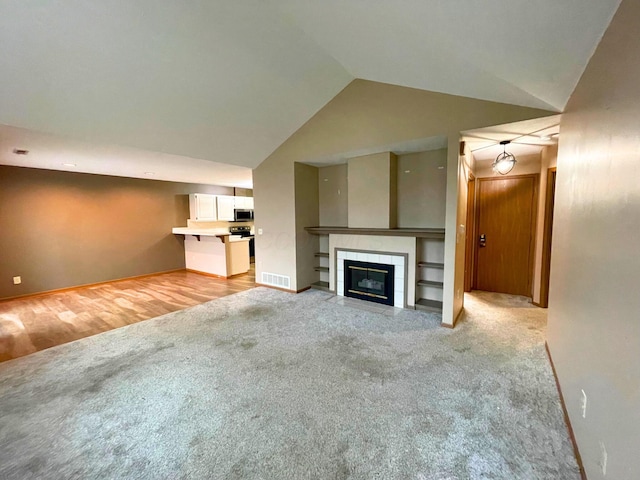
(243, 231)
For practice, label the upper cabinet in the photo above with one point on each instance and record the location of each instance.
(210, 208)
(202, 206)
(226, 204)
(244, 202)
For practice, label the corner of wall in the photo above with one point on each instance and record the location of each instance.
(393, 191)
(450, 306)
(306, 204)
(274, 194)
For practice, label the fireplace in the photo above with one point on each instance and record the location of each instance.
(369, 281)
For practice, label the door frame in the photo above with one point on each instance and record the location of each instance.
(469, 257)
(549, 204)
(534, 221)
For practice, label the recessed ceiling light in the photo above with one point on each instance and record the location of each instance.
(407, 171)
(69, 164)
(441, 168)
(149, 173)
(20, 151)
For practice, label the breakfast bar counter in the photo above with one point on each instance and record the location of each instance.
(214, 251)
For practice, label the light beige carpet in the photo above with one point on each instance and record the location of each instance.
(264, 384)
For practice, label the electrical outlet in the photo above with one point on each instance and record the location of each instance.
(583, 404)
(603, 459)
(17, 280)
(259, 231)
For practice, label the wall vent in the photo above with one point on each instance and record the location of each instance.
(275, 280)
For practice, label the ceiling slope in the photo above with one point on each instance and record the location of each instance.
(211, 79)
(517, 51)
(229, 81)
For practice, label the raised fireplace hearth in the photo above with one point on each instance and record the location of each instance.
(369, 281)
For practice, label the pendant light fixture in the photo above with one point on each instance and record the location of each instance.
(504, 162)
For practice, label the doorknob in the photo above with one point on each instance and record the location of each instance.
(483, 240)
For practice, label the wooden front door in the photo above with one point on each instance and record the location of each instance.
(505, 234)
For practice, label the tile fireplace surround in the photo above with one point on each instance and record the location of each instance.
(399, 261)
(397, 251)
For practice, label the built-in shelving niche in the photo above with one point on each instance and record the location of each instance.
(429, 274)
(322, 264)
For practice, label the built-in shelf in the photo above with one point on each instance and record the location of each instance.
(429, 305)
(429, 283)
(320, 285)
(429, 243)
(429, 274)
(431, 265)
(322, 264)
(388, 232)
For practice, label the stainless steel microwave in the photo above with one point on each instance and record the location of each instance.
(242, 214)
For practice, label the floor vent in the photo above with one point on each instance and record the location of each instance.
(275, 280)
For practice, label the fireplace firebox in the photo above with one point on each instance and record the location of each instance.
(369, 281)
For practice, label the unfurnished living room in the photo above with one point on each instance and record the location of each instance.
(319, 240)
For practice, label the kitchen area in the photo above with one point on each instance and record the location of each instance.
(219, 236)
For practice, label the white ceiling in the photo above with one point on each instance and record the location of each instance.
(225, 81)
(53, 152)
(528, 137)
(402, 148)
(523, 52)
(229, 81)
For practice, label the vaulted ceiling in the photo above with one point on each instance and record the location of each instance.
(229, 81)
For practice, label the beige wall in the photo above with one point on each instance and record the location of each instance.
(306, 212)
(365, 115)
(274, 194)
(420, 192)
(372, 198)
(594, 328)
(243, 192)
(333, 193)
(422, 185)
(62, 229)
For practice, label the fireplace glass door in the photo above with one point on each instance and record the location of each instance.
(369, 281)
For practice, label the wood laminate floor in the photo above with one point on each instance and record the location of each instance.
(35, 323)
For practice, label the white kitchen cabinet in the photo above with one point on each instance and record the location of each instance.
(226, 204)
(244, 202)
(202, 206)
